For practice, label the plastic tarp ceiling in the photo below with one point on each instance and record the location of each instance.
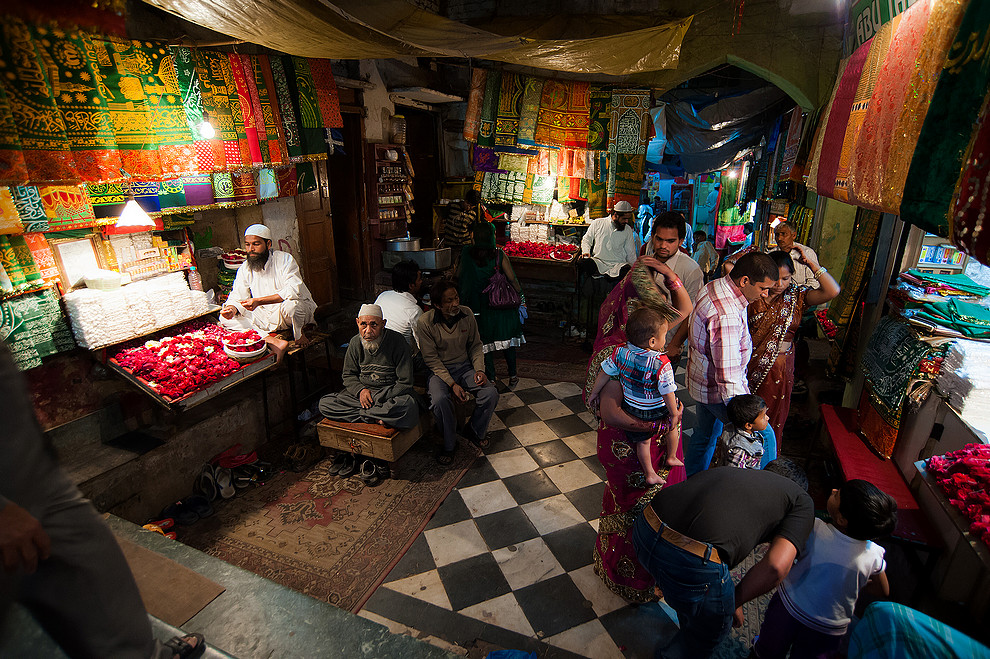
(395, 28)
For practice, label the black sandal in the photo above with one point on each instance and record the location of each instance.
(181, 648)
(481, 442)
(445, 458)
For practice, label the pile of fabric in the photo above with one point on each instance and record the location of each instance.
(943, 305)
(965, 381)
(33, 326)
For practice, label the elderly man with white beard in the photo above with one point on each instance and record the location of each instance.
(377, 375)
(270, 291)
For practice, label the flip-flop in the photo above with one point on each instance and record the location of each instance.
(207, 484)
(481, 442)
(246, 475)
(225, 482)
(183, 650)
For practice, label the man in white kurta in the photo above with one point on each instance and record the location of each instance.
(610, 243)
(270, 289)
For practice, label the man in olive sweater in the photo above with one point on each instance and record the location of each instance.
(377, 375)
(452, 349)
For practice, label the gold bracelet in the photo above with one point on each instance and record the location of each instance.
(818, 273)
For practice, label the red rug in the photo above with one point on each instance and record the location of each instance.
(332, 538)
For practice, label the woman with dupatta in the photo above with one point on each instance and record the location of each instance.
(772, 323)
(626, 490)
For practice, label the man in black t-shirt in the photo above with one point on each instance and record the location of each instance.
(695, 532)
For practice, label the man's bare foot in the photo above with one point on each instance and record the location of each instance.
(189, 646)
(655, 479)
(303, 341)
(278, 346)
(674, 462)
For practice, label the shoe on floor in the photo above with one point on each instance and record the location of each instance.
(513, 381)
(349, 466)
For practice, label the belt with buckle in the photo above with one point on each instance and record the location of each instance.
(699, 549)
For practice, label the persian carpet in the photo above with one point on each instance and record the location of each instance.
(332, 538)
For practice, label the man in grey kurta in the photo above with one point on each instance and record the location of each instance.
(377, 375)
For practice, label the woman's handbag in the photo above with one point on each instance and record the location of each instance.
(500, 293)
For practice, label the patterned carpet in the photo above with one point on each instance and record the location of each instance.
(332, 538)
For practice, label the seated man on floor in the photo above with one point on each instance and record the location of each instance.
(452, 349)
(268, 286)
(377, 375)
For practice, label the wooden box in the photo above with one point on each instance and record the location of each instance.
(371, 440)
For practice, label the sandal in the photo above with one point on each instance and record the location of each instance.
(370, 473)
(206, 483)
(481, 442)
(513, 381)
(225, 482)
(182, 649)
(245, 476)
(445, 458)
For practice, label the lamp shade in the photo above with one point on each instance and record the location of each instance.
(134, 216)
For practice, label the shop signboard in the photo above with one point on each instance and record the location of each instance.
(866, 17)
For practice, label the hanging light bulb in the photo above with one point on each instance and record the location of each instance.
(206, 130)
(134, 216)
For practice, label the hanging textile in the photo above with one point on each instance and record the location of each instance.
(245, 192)
(472, 117)
(219, 97)
(27, 200)
(43, 256)
(223, 189)
(326, 93)
(873, 163)
(66, 207)
(10, 265)
(564, 114)
(306, 103)
(40, 128)
(107, 199)
(286, 181)
(513, 162)
(506, 188)
(728, 223)
(70, 57)
(825, 162)
(972, 197)
(197, 190)
(600, 100)
(879, 46)
(13, 169)
(629, 133)
(266, 184)
(484, 159)
(146, 195)
(529, 110)
(22, 253)
(171, 194)
(210, 153)
(539, 189)
(489, 109)
(10, 219)
(270, 111)
(287, 114)
(507, 112)
(948, 125)
(794, 132)
(597, 199)
(247, 110)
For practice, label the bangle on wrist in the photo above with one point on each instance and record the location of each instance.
(819, 272)
(673, 284)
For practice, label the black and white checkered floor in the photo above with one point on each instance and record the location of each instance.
(508, 555)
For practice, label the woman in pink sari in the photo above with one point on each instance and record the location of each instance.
(626, 491)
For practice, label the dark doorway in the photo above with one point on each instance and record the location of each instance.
(346, 173)
(423, 145)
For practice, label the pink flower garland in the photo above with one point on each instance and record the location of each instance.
(965, 477)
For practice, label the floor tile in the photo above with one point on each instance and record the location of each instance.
(533, 433)
(495, 424)
(426, 587)
(508, 401)
(603, 600)
(568, 425)
(535, 395)
(641, 628)
(594, 465)
(590, 640)
(583, 445)
(502, 440)
(486, 498)
(552, 514)
(473, 580)
(564, 389)
(530, 486)
(588, 500)
(588, 418)
(575, 404)
(480, 472)
(573, 547)
(417, 559)
(690, 418)
(517, 416)
(550, 409)
(456, 542)
(513, 462)
(526, 383)
(572, 475)
(526, 563)
(554, 605)
(551, 453)
(450, 511)
(684, 397)
(593, 524)
(503, 611)
(507, 527)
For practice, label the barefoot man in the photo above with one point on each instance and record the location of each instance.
(270, 292)
(377, 376)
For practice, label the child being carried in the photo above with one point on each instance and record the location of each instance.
(648, 386)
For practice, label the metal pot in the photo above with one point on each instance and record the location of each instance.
(403, 245)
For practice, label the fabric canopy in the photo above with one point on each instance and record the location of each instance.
(385, 28)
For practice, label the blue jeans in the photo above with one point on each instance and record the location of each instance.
(700, 447)
(699, 590)
(442, 403)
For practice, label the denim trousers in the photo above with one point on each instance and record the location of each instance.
(699, 590)
(442, 403)
(700, 447)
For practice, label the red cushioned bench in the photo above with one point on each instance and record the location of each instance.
(857, 460)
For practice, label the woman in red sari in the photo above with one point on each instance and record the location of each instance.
(772, 323)
(626, 490)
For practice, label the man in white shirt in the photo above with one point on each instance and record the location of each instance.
(609, 243)
(785, 233)
(269, 292)
(668, 233)
(399, 305)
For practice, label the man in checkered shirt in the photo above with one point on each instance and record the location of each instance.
(720, 348)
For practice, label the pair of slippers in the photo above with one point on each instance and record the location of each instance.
(162, 526)
(369, 470)
(188, 510)
(303, 455)
(223, 482)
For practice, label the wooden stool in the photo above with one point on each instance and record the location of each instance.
(370, 439)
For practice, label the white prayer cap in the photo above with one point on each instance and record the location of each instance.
(622, 207)
(259, 230)
(371, 310)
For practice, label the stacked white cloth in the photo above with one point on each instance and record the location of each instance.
(86, 316)
(965, 379)
(200, 303)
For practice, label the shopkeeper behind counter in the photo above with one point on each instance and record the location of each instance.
(270, 292)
